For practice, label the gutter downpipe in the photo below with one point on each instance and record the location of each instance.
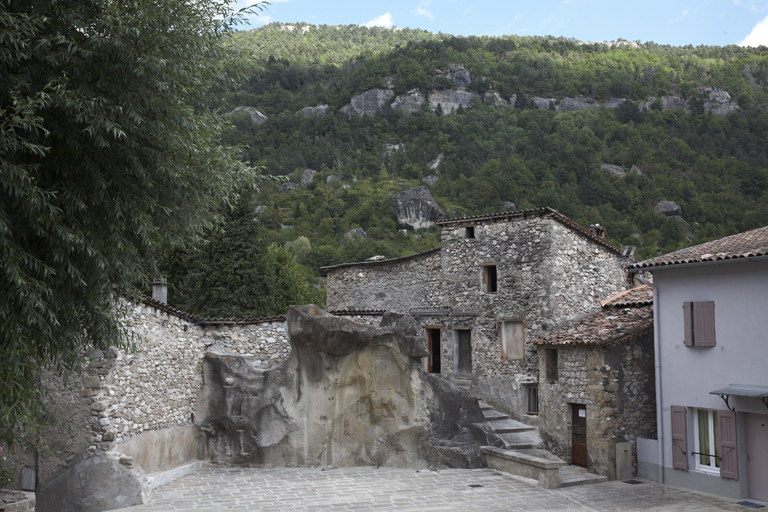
(657, 362)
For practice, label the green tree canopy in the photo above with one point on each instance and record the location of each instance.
(108, 144)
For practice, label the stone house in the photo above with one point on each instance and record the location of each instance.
(596, 385)
(711, 385)
(496, 281)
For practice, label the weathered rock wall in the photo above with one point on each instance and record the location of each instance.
(547, 275)
(617, 386)
(399, 285)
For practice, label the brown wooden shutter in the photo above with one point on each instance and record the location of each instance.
(729, 464)
(688, 323)
(679, 438)
(704, 323)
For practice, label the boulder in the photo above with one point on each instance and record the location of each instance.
(288, 186)
(719, 102)
(509, 206)
(353, 234)
(449, 100)
(344, 187)
(370, 102)
(331, 178)
(543, 103)
(319, 110)
(431, 180)
(668, 208)
(409, 102)
(307, 177)
(636, 169)
(93, 484)
(351, 394)
(260, 209)
(460, 76)
(256, 116)
(416, 207)
(614, 169)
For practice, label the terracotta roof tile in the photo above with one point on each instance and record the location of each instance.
(639, 296)
(744, 245)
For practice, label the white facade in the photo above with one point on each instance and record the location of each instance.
(687, 374)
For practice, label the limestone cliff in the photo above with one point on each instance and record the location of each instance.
(416, 207)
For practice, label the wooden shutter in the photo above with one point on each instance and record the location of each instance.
(679, 438)
(704, 323)
(729, 464)
(688, 323)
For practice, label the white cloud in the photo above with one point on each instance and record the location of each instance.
(758, 36)
(385, 20)
(420, 11)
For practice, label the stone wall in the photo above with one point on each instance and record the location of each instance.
(399, 285)
(617, 386)
(547, 275)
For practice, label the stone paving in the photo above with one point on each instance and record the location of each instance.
(368, 489)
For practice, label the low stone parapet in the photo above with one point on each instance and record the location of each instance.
(534, 464)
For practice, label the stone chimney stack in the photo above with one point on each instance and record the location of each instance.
(597, 230)
(160, 289)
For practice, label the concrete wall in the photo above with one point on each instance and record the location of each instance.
(617, 386)
(740, 292)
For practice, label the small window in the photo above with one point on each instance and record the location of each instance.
(533, 399)
(490, 284)
(699, 323)
(433, 346)
(512, 340)
(551, 355)
(707, 441)
(469, 232)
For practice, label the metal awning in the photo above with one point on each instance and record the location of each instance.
(744, 390)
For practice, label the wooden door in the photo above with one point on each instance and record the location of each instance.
(579, 435)
(464, 338)
(757, 455)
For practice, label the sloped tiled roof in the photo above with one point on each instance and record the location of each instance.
(624, 317)
(380, 262)
(744, 245)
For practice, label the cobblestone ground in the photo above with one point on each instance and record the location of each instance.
(367, 489)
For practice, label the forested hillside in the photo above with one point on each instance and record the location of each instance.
(486, 153)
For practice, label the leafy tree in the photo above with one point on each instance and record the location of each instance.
(108, 145)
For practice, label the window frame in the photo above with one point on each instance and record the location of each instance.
(491, 278)
(713, 441)
(505, 343)
(699, 329)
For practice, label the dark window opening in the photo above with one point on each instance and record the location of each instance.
(551, 366)
(469, 232)
(533, 400)
(433, 346)
(489, 279)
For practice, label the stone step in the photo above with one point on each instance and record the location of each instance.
(494, 415)
(521, 440)
(571, 476)
(506, 425)
(465, 383)
(484, 406)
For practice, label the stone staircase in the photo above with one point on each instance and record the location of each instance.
(523, 455)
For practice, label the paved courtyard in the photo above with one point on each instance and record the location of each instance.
(368, 489)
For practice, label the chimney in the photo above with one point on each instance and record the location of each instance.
(597, 230)
(160, 289)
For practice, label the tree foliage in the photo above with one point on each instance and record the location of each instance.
(108, 144)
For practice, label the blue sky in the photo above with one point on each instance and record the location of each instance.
(674, 22)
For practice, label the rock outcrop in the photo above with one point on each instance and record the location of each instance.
(572, 104)
(668, 208)
(319, 110)
(288, 186)
(256, 116)
(614, 169)
(307, 177)
(416, 207)
(509, 206)
(353, 234)
(717, 102)
(431, 180)
(495, 99)
(370, 102)
(350, 394)
(449, 100)
(409, 102)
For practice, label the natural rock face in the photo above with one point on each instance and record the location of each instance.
(614, 169)
(260, 209)
(353, 234)
(460, 76)
(636, 169)
(350, 394)
(449, 100)
(434, 164)
(409, 102)
(307, 176)
(668, 208)
(509, 205)
(256, 116)
(331, 178)
(495, 99)
(416, 207)
(370, 102)
(543, 103)
(571, 104)
(431, 180)
(91, 485)
(288, 186)
(718, 103)
(319, 110)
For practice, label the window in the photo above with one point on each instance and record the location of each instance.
(469, 232)
(512, 340)
(433, 346)
(707, 441)
(551, 355)
(533, 399)
(699, 323)
(489, 279)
